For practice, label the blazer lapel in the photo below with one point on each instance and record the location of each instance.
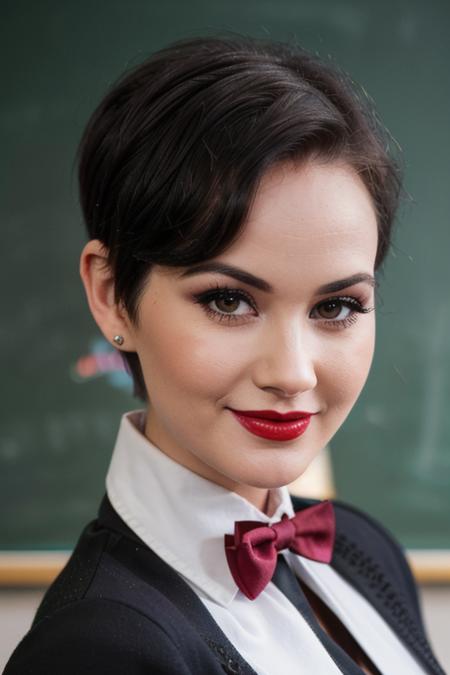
(372, 582)
(142, 561)
(368, 575)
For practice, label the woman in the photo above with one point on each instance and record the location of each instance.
(239, 199)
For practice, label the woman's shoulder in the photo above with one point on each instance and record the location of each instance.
(367, 552)
(100, 617)
(97, 635)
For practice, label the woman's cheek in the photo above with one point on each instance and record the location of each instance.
(191, 362)
(347, 369)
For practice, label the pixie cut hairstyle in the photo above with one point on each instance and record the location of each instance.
(171, 159)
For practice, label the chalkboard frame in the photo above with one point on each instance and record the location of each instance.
(57, 89)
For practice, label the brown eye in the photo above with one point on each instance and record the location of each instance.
(339, 312)
(331, 309)
(228, 303)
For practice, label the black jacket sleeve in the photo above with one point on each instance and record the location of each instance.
(101, 637)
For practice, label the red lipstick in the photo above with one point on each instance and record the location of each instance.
(274, 425)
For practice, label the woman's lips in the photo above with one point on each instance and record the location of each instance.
(273, 426)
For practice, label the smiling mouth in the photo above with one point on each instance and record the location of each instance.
(273, 425)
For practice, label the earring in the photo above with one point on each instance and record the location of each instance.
(118, 339)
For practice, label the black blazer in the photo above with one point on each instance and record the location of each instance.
(117, 608)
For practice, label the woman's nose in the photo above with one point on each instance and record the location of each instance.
(286, 364)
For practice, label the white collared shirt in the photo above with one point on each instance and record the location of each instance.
(183, 518)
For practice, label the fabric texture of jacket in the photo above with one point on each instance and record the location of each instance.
(117, 608)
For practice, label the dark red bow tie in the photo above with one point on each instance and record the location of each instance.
(252, 550)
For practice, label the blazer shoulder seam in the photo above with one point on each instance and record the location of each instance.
(108, 601)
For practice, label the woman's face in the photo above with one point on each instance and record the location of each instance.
(296, 347)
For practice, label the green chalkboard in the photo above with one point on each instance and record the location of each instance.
(62, 392)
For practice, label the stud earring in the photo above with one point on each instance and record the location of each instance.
(118, 339)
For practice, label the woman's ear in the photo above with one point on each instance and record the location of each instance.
(98, 282)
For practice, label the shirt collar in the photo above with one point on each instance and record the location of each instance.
(177, 513)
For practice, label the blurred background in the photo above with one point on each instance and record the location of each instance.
(64, 388)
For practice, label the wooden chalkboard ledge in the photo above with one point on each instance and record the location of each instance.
(30, 568)
(430, 566)
(38, 569)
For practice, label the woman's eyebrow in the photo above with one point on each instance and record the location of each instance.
(252, 280)
(339, 285)
(229, 271)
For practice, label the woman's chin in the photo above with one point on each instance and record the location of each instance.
(275, 479)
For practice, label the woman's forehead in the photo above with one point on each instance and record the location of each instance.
(316, 214)
(310, 199)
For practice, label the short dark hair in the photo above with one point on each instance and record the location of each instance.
(172, 157)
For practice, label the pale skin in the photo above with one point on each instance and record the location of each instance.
(310, 225)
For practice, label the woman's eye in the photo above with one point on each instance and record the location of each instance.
(225, 304)
(339, 311)
(230, 304)
(333, 309)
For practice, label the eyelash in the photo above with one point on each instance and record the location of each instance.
(224, 292)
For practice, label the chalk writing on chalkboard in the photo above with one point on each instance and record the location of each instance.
(101, 361)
